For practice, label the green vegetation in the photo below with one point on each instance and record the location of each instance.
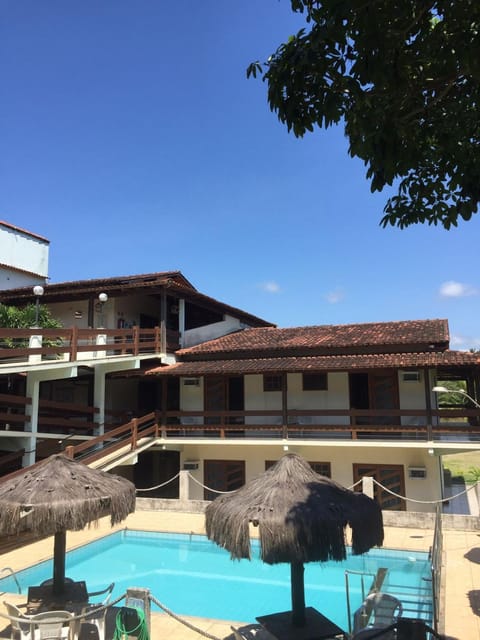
(463, 465)
(24, 317)
(403, 78)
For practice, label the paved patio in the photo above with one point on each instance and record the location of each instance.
(461, 571)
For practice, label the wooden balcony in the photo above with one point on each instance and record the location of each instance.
(455, 425)
(241, 425)
(33, 346)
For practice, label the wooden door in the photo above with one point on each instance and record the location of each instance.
(391, 477)
(383, 388)
(215, 398)
(374, 391)
(224, 393)
(222, 475)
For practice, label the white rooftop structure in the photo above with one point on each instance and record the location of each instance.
(23, 257)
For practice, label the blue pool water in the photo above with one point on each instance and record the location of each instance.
(192, 576)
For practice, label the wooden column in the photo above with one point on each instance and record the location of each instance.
(428, 402)
(284, 406)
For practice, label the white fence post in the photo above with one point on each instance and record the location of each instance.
(184, 486)
(35, 342)
(367, 486)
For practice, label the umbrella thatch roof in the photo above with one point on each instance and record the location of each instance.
(302, 516)
(61, 494)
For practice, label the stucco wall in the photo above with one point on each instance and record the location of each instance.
(341, 458)
(211, 331)
(22, 251)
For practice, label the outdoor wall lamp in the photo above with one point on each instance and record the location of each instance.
(102, 297)
(38, 293)
(458, 391)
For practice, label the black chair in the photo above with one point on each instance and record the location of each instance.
(378, 610)
(371, 633)
(96, 613)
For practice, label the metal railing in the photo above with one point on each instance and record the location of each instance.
(12, 573)
(436, 554)
(362, 574)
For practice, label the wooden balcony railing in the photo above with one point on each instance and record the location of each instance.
(38, 345)
(459, 425)
(53, 417)
(70, 418)
(269, 425)
(125, 438)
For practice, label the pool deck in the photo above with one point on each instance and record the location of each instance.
(461, 569)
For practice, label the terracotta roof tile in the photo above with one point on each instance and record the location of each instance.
(174, 282)
(320, 363)
(413, 335)
(117, 283)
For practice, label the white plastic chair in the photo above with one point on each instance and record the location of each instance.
(54, 625)
(23, 629)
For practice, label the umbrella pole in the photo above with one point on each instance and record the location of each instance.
(59, 549)
(298, 594)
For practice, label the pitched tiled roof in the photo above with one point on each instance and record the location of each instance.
(411, 335)
(174, 282)
(78, 288)
(320, 363)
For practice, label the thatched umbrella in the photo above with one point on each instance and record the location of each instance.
(60, 494)
(301, 517)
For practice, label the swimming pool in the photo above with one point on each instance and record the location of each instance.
(193, 576)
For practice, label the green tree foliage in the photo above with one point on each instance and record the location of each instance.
(24, 317)
(455, 397)
(402, 76)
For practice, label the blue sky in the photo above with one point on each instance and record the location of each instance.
(132, 140)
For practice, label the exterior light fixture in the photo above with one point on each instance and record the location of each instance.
(102, 297)
(457, 391)
(38, 293)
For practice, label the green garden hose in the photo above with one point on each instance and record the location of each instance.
(138, 628)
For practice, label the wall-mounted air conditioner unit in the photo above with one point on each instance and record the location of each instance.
(417, 472)
(411, 376)
(191, 382)
(191, 465)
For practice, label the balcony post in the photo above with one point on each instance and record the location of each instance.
(163, 322)
(101, 340)
(134, 423)
(428, 403)
(31, 410)
(284, 407)
(35, 342)
(181, 321)
(157, 340)
(74, 344)
(99, 399)
(136, 340)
